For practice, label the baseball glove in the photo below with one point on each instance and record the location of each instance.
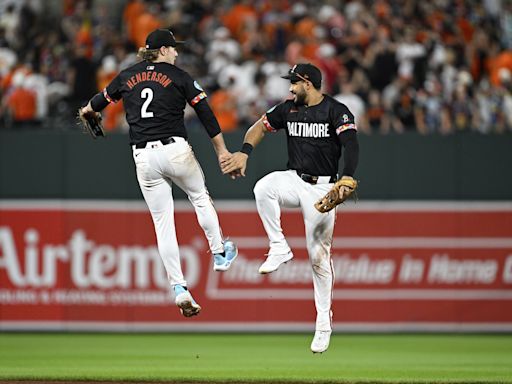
(340, 192)
(91, 123)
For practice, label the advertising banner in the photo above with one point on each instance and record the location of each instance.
(94, 265)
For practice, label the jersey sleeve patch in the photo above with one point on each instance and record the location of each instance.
(267, 124)
(198, 98)
(196, 84)
(344, 127)
(107, 97)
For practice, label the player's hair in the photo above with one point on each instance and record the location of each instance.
(148, 54)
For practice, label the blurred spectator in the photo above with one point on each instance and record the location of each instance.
(81, 78)
(237, 17)
(224, 106)
(400, 105)
(408, 53)
(113, 114)
(145, 22)
(404, 60)
(355, 104)
(330, 66)
(132, 10)
(462, 109)
(20, 103)
(490, 114)
(432, 114)
(222, 50)
(9, 21)
(38, 84)
(377, 119)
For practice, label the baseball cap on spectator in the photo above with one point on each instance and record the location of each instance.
(305, 72)
(161, 38)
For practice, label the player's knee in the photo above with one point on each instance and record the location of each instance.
(263, 187)
(319, 259)
(199, 199)
(260, 189)
(316, 262)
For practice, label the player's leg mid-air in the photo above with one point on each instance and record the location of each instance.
(286, 189)
(221, 262)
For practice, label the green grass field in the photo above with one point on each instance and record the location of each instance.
(265, 358)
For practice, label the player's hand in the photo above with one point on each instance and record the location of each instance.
(86, 109)
(224, 156)
(235, 174)
(235, 165)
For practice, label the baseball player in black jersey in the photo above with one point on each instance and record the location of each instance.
(155, 93)
(317, 127)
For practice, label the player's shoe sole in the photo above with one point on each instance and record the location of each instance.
(186, 302)
(189, 309)
(273, 262)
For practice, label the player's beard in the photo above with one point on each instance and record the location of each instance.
(300, 97)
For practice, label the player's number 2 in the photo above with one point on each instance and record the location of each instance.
(146, 93)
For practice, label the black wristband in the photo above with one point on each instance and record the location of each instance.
(99, 102)
(247, 148)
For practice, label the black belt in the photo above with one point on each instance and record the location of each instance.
(167, 140)
(311, 179)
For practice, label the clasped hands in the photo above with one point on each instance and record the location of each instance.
(233, 164)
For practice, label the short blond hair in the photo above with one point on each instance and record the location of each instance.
(148, 54)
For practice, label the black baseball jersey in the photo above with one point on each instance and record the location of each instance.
(314, 134)
(154, 97)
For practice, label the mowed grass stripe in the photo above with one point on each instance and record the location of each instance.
(256, 357)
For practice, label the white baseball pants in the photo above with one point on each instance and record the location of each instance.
(158, 166)
(287, 189)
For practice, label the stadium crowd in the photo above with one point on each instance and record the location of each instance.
(400, 65)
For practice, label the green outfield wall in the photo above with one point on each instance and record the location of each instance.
(55, 164)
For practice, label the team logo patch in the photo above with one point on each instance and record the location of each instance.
(196, 84)
(345, 118)
(271, 109)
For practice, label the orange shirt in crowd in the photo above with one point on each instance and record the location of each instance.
(114, 111)
(305, 28)
(83, 38)
(22, 104)
(112, 116)
(143, 26)
(130, 14)
(494, 64)
(104, 78)
(6, 81)
(309, 50)
(223, 105)
(235, 18)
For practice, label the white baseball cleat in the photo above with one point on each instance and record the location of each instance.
(320, 342)
(274, 261)
(186, 302)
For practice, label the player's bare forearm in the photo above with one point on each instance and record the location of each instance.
(219, 145)
(235, 165)
(255, 133)
(220, 148)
